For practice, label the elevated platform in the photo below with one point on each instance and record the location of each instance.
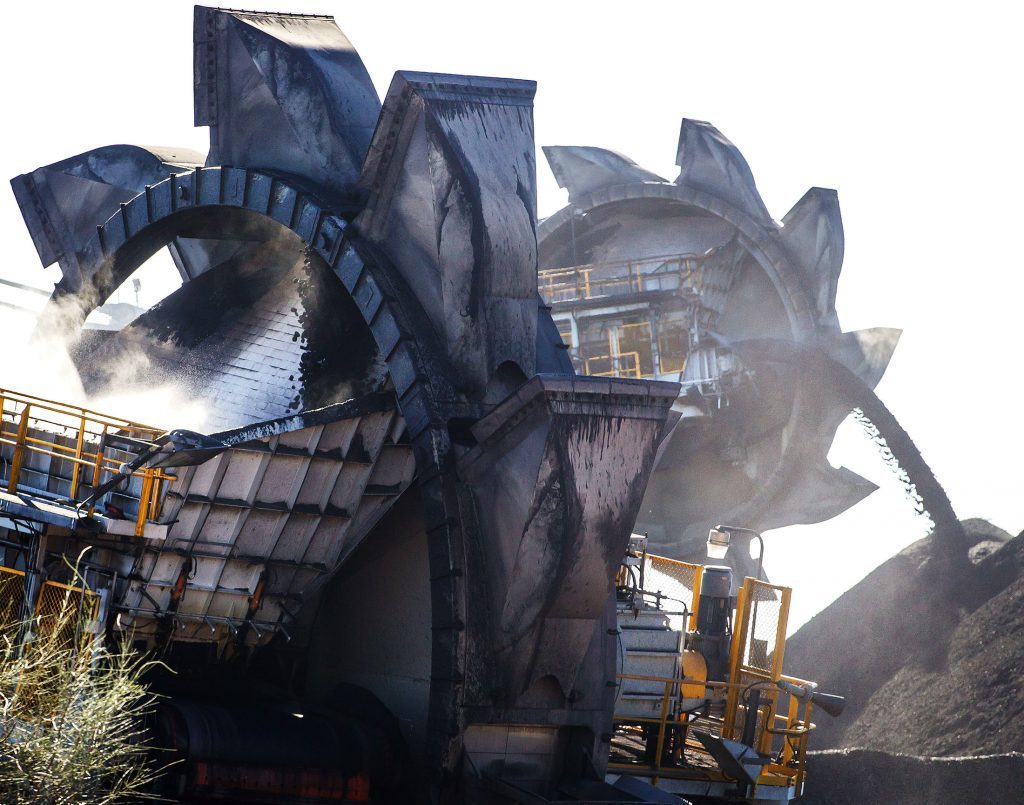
(26, 506)
(250, 523)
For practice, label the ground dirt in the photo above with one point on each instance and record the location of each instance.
(866, 777)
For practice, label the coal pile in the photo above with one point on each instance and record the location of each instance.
(929, 651)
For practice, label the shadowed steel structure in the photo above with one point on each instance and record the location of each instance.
(692, 280)
(414, 516)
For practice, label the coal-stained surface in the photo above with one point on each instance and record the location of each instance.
(928, 653)
(268, 332)
(856, 776)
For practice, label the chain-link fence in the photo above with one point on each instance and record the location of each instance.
(762, 637)
(12, 592)
(64, 614)
(759, 636)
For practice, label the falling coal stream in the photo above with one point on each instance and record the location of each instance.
(896, 445)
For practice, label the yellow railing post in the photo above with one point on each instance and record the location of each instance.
(698, 578)
(97, 473)
(43, 427)
(147, 489)
(154, 497)
(791, 722)
(772, 694)
(19, 450)
(780, 633)
(739, 639)
(802, 751)
(661, 726)
(76, 470)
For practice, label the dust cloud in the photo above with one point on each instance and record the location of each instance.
(38, 363)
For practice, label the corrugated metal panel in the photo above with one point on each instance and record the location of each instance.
(290, 506)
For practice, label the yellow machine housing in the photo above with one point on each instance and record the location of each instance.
(695, 676)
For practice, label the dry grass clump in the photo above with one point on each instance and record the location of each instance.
(71, 713)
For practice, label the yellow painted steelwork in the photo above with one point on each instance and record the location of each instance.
(758, 648)
(62, 627)
(614, 278)
(621, 364)
(67, 609)
(34, 426)
(635, 338)
(789, 736)
(67, 606)
(688, 576)
(673, 347)
(12, 593)
(695, 667)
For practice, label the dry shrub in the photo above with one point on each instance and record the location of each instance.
(71, 714)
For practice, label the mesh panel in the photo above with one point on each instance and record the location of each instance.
(675, 580)
(12, 590)
(63, 612)
(761, 628)
(765, 613)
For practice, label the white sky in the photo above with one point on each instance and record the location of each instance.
(912, 111)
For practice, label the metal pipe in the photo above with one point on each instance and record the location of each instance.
(755, 535)
(753, 701)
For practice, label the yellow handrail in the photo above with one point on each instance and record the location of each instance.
(68, 408)
(613, 359)
(795, 725)
(37, 417)
(792, 729)
(595, 280)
